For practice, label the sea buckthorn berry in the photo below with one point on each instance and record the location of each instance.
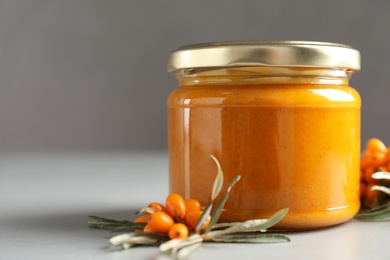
(149, 229)
(157, 206)
(368, 175)
(378, 159)
(178, 230)
(368, 153)
(192, 219)
(160, 221)
(363, 189)
(175, 205)
(192, 205)
(388, 155)
(376, 145)
(365, 162)
(370, 196)
(141, 219)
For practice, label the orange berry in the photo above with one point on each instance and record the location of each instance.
(363, 189)
(376, 145)
(160, 221)
(149, 229)
(388, 156)
(368, 175)
(192, 205)
(175, 205)
(178, 230)
(192, 219)
(157, 206)
(386, 168)
(378, 159)
(365, 162)
(141, 219)
(368, 153)
(370, 196)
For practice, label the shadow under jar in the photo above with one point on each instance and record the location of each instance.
(279, 113)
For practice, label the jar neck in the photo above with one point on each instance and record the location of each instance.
(263, 75)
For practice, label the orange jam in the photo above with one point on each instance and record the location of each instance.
(291, 132)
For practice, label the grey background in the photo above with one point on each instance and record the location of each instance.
(91, 75)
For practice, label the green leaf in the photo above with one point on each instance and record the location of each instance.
(237, 227)
(381, 188)
(129, 227)
(130, 239)
(147, 210)
(218, 182)
(203, 218)
(276, 218)
(223, 225)
(105, 223)
(375, 215)
(253, 225)
(217, 212)
(384, 183)
(257, 238)
(378, 209)
(381, 175)
(187, 251)
(176, 244)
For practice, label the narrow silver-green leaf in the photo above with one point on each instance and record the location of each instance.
(375, 215)
(129, 228)
(105, 223)
(381, 188)
(127, 245)
(129, 239)
(264, 225)
(378, 209)
(203, 218)
(218, 182)
(223, 225)
(276, 218)
(147, 210)
(218, 209)
(381, 175)
(187, 251)
(174, 244)
(384, 183)
(236, 228)
(253, 238)
(254, 225)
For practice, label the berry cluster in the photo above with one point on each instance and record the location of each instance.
(376, 157)
(177, 218)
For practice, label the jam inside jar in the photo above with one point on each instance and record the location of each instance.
(292, 132)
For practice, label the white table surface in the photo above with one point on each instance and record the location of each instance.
(45, 200)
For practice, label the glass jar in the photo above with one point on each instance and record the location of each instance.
(282, 115)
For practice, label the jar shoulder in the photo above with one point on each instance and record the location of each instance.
(264, 95)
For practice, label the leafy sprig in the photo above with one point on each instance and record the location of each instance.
(113, 225)
(251, 231)
(381, 213)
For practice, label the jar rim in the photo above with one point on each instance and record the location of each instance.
(311, 54)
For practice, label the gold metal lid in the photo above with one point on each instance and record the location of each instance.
(265, 53)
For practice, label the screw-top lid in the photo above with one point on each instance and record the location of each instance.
(265, 53)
